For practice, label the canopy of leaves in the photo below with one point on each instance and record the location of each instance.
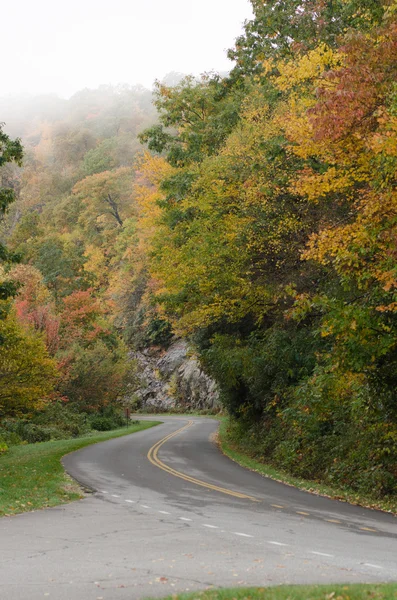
(27, 373)
(10, 151)
(273, 245)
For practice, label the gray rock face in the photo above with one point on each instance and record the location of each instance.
(174, 380)
(175, 356)
(152, 392)
(196, 389)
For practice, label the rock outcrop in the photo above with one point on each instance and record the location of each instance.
(174, 380)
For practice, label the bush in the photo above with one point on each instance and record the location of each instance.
(63, 418)
(3, 446)
(33, 433)
(18, 431)
(329, 431)
(96, 375)
(107, 419)
(102, 423)
(59, 421)
(10, 438)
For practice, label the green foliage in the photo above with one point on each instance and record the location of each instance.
(3, 445)
(95, 374)
(195, 116)
(256, 374)
(62, 266)
(107, 418)
(59, 420)
(73, 226)
(159, 332)
(283, 29)
(100, 158)
(10, 151)
(27, 373)
(8, 435)
(270, 227)
(64, 417)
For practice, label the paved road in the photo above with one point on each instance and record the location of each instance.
(171, 513)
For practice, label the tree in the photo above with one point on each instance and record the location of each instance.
(61, 264)
(34, 305)
(93, 376)
(10, 151)
(195, 119)
(27, 373)
(92, 358)
(284, 29)
(106, 195)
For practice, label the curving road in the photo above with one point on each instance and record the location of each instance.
(170, 513)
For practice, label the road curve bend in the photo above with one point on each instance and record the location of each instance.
(170, 513)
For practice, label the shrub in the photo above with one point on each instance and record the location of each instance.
(27, 431)
(108, 418)
(102, 423)
(65, 418)
(3, 446)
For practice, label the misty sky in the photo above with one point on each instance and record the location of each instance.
(63, 46)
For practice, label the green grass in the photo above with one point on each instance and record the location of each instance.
(231, 449)
(298, 592)
(32, 477)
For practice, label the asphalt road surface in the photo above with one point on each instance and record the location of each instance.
(170, 513)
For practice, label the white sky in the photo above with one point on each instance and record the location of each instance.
(63, 46)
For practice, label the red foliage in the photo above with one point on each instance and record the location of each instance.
(41, 318)
(79, 318)
(356, 92)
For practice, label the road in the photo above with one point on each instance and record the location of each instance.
(170, 513)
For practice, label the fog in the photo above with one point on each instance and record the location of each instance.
(57, 47)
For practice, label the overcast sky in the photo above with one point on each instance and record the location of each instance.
(64, 46)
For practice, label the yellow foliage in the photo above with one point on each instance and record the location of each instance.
(309, 67)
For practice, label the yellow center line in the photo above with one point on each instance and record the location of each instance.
(155, 460)
(332, 521)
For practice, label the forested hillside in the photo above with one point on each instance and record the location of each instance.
(259, 222)
(271, 227)
(71, 215)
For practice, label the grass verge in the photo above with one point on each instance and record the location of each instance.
(229, 447)
(298, 592)
(32, 477)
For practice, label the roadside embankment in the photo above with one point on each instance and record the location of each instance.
(32, 476)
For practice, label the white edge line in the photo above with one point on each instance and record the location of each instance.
(373, 566)
(277, 543)
(242, 534)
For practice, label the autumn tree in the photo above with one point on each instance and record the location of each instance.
(273, 250)
(10, 151)
(107, 196)
(27, 373)
(285, 29)
(92, 358)
(34, 305)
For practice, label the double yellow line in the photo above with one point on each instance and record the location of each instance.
(155, 460)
